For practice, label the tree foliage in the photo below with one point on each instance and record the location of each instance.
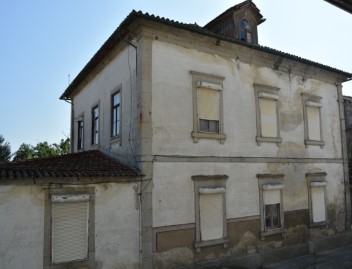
(42, 149)
(5, 149)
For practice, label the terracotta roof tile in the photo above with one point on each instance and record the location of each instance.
(88, 163)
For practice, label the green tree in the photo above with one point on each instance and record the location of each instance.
(42, 149)
(24, 152)
(5, 149)
(63, 147)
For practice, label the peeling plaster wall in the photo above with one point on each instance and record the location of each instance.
(173, 197)
(22, 226)
(172, 89)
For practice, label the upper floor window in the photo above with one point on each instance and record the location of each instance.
(115, 114)
(245, 31)
(95, 125)
(207, 107)
(267, 111)
(80, 128)
(313, 134)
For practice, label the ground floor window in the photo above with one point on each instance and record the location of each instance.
(317, 198)
(271, 203)
(69, 228)
(70, 218)
(210, 208)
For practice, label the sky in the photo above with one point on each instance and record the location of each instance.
(45, 44)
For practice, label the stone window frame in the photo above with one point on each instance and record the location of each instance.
(316, 180)
(80, 132)
(264, 182)
(272, 93)
(307, 100)
(209, 181)
(47, 261)
(196, 134)
(93, 142)
(117, 138)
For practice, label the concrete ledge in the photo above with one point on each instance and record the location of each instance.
(283, 253)
(250, 261)
(331, 242)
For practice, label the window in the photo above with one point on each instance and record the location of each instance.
(80, 133)
(95, 125)
(69, 227)
(270, 203)
(115, 114)
(245, 31)
(207, 107)
(69, 232)
(267, 113)
(312, 120)
(210, 207)
(317, 198)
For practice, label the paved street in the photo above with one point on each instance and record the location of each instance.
(334, 259)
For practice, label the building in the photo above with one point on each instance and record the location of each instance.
(240, 148)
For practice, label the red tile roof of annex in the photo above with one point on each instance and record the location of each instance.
(85, 164)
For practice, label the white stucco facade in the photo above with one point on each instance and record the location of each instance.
(172, 87)
(23, 224)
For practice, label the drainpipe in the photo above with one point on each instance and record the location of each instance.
(344, 156)
(72, 138)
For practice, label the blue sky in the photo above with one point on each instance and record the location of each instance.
(42, 42)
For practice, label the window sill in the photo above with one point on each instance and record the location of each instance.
(263, 234)
(94, 146)
(115, 140)
(201, 244)
(318, 224)
(314, 143)
(217, 136)
(261, 140)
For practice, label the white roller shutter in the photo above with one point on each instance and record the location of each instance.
(318, 204)
(69, 228)
(313, 117)
(272, 197)
(268, 117)
(211, 216)
(208, 104)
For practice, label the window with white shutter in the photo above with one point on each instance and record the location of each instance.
(266, 98)
(318, 204)
(211, 213)
(271, 203)
(317, 200)
(268, 117)
(207, 91)
(313, 118)
(208, 107)
(210, 210)
(313, 134)
(69, 231)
